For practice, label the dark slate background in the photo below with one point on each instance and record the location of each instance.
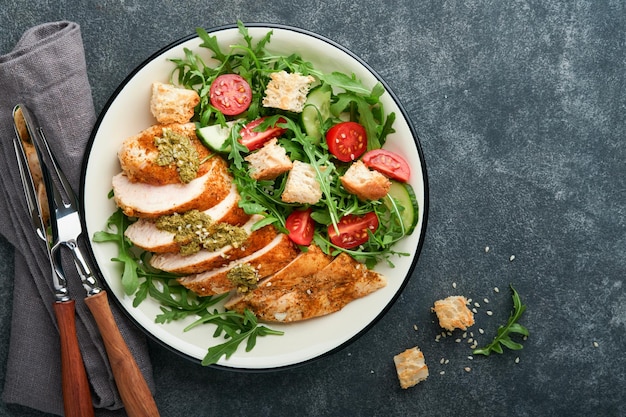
(520, 110)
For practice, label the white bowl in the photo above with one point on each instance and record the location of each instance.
(127, 113)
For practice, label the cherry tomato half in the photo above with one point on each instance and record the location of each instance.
(347, 141)
(353, 230)
(231, 94)
(388, 163)
(254, 140)
(301, 227)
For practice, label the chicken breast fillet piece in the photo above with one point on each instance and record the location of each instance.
(138, 155)
(266, 261)
(206, 260)
(138, 199)
(295, 298)
(145, 235)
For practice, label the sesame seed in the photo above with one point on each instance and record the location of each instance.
(517, 360)
(442, 372)
(486, 249)
(442, 361)
(486, 300)
(470, 340)
(595, 344)
(477, 305)
(467, 369)
(415, 327)
(458, 340)
(454, 285)
(489, 313)
(470, 357)
(481, 331)
(511, 258)
(447, 361)
(474, 310)
(464, 335)
(496, 289)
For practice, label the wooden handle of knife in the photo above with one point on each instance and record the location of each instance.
(131, 384)
(76, 393)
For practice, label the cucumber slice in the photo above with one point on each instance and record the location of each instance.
(404, 196)
(316, 111)
(215, 137)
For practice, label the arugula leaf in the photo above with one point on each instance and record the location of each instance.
(238, 327)
(503, 336)
(116, 225)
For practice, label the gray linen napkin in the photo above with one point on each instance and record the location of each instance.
(46, 71)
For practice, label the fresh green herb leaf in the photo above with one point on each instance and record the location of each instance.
(237, 328)
(115, 227)
(503, 336)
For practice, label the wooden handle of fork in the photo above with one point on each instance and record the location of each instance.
(132, 386)
(76, 393)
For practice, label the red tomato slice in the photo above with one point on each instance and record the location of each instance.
(254, 140)
(388, 163)
(353, 230)
(231, 94)
(347, 141)
(301, 227)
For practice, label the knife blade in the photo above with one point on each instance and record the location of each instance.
(74, 383)
(66, 230)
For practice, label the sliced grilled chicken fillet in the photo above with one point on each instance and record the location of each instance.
(296, 298)
(205, 260)
(266, 261)
(138, 199)
(138, 155)
(145, 235)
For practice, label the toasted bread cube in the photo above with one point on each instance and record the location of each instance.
(269, 162)
(170, 104)
(365, 183)
(302, 185)
(410, 367)
(287, 91)
(453, 313)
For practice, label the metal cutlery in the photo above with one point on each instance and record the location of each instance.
(75, 386)
(64, 231)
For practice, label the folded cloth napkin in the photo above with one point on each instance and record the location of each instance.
(46, 72)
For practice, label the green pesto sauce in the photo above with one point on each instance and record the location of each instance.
(195, 230)
(178, 149)
(244, 277)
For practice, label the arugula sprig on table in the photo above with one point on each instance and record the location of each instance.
(176, 301)
(503, 336)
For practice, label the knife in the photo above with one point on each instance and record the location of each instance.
(75, 386)
(66, 229)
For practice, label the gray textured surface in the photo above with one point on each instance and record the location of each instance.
(520, 110)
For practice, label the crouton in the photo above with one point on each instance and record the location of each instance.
(410, 367)
(287, 91)
(302, 185)
(269, 162)
(453, 313)
(365, 183)
(170, 104)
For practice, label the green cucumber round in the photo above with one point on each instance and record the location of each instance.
(405, 198)
(316, 111)
(215, 137)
